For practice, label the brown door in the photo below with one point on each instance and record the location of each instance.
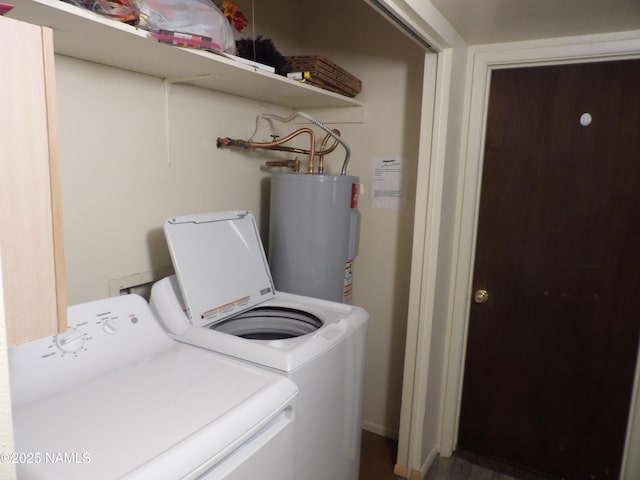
(551, 354)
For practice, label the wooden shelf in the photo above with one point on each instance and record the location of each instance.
(82, 34)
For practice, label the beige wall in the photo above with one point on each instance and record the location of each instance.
(122, 175)
(126, 168)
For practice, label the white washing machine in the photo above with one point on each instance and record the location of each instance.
(115, 398)
(222, 298)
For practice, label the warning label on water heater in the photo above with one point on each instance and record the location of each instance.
(348, 281)
(387, 185)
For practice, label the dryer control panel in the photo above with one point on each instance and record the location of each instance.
(102, 335)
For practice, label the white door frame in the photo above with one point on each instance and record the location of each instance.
(482, 60)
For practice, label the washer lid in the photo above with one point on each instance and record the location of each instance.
(220, 264)
(170, 415)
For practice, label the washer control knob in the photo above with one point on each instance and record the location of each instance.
(70, 341)
(109, 327)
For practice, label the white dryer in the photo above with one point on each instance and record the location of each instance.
(222, 298)
(115, 397)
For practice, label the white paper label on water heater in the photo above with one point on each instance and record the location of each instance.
(387, 185)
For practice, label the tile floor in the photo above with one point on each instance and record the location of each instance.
(378, 457)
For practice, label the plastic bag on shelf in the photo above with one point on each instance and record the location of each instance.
(200, 18)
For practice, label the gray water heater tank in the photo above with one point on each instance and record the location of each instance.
(314, 232)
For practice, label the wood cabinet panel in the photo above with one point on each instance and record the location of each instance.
(30, 216)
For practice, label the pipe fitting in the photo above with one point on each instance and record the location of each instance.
(230, 142)
(294, 165)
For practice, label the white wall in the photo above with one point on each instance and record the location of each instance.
(121, 179)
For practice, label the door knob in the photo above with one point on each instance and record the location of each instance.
(480, 296)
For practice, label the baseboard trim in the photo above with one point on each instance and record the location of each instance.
(380, 430)
(426, 465)
(401, 471)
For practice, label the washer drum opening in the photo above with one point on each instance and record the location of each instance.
(269, 323)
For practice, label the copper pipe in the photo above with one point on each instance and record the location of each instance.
(230, 142)
(302, 151)
(319, 125)
(276, 143)
(322, 153)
